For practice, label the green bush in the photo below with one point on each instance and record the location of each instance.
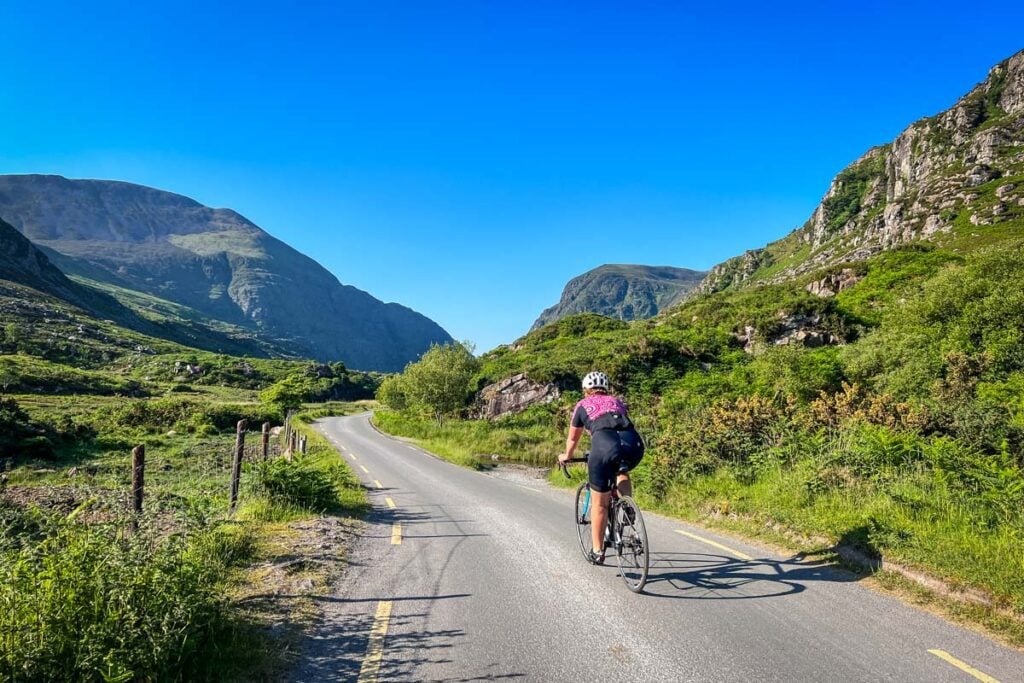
(438, 385)
(86, 603)
(295, 483)
(15, 428)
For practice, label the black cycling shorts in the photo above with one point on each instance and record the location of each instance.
(611, 453)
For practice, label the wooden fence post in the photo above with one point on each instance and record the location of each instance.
(302, 445)
(236, 465)
(265, 435)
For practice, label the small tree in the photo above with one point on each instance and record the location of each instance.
(287, 394)
(11, 336)
(438, 383)
(392, 393)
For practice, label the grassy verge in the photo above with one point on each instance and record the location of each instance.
(528, 439)
(811, 498)
(189, 595)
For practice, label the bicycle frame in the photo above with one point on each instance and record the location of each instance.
(634, 548)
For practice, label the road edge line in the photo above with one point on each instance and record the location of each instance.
(375, 646)
(716, 544)
(963, 666)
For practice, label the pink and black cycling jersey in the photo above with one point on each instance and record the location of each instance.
(600, 411)
(615, 446)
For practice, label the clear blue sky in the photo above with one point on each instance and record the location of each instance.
(467, 159)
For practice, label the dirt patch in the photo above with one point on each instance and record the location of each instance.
(520, 474)
(303, 559)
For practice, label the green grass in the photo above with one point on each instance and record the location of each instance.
(27, 374)
(314, 483)
(72, 577)
(85, 602)
(472, 443)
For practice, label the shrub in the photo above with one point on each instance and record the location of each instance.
(855, 403)
(295, 483)
(392, 393)
(15, 427)
(84, 603)
(438, 384)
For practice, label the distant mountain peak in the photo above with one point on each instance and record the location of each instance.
(214, 261)
(623, 291)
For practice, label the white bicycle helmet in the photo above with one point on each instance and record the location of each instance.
(595, 380)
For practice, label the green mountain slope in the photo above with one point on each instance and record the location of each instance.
(215, 262)
(25, 264)
(22, 262)
(955, 179)
(626, 292)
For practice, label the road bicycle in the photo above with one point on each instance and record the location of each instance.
(625, 533)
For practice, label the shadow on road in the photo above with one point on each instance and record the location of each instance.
(700, 576)
(340, 647)
(343, 641)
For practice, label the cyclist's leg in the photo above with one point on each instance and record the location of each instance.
(631, 451)
(601, 470)
(624, 485)
(598, 519)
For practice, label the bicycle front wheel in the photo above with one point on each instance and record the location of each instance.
(583, 518)
(633, 552)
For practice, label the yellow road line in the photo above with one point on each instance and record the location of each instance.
(363, 468)
(963, 666)
(377, 482)
(396, 533)
(391, 503)
(375, 647)
(353, 456)
(528, 488)
(737, 553)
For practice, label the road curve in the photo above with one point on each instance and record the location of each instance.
(471, 576)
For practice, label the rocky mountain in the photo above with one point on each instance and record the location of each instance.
(215, 262)
(21, 262)
(626, 292)
(955, 179)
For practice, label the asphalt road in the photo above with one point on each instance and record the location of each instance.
(465, 576)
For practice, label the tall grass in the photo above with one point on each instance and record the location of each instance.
(313, 483)
(88, 602)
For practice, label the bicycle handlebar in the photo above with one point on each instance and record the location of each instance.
(565, 470)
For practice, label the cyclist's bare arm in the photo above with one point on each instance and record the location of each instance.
(575, 434)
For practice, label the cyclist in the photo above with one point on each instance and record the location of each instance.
(615, 449)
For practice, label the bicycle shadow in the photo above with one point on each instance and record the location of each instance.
(705, 576)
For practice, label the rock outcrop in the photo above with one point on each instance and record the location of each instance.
(217, 263)
(833, 283)
(942, 175)
(513, 395)
(625, 292)
(791, 329)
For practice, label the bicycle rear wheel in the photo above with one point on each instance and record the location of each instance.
(633, 552)
(583, 518)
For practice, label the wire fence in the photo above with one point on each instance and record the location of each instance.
(171, 480)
